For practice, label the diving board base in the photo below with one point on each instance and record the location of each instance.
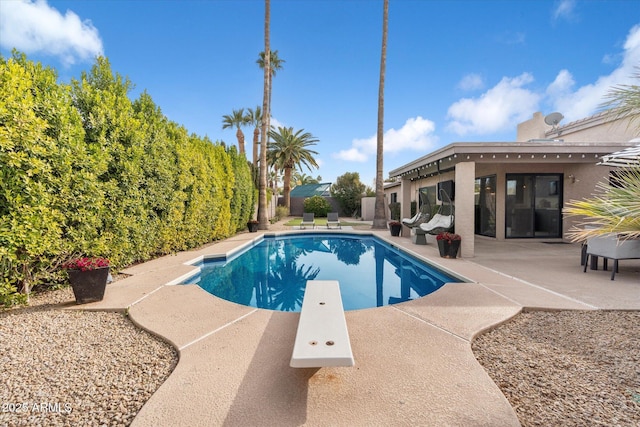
(322, 339)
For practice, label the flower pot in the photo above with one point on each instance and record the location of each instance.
(89, 286)
(395, 229)
(449, 248)
(252, 226)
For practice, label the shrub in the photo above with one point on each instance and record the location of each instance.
(281, 212)
(87, 171)
(318, 205)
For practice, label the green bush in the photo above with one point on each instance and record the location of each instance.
(86, 171)
(281, 212)
(318, 205)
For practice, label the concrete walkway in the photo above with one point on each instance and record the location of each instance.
(414, 364)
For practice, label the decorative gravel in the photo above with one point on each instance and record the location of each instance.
(569, 368)
(68, 368)
(71, 368)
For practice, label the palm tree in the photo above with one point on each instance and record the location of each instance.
(236, 119)
(276, 64)
(263, 222)
(254, 118)
(289, 150)
(300, 178)
(616, 209)
(624, 101)
(379, 216)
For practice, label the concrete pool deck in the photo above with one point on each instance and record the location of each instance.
(414, 364)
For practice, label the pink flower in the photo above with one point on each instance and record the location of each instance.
(86, 263)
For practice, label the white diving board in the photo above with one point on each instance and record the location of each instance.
(322, 339)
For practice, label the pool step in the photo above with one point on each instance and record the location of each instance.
(322, 338)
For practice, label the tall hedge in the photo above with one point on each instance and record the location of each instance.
(86, 171)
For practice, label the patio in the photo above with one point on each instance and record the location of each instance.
(414, 363)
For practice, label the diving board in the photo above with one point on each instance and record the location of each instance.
(322, 339)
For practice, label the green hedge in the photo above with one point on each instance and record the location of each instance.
(86, 171)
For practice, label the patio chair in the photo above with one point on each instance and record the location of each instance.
(423, 215)
(308, 220)
(443, 219)
(609, 246)
(333, 220)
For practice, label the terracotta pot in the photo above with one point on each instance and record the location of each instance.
(89, 286)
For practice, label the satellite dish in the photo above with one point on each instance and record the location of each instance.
(553, 119)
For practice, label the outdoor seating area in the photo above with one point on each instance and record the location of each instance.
(308, 220)
(610, 247)
(333, 221)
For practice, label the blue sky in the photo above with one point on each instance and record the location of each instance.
(456, 70)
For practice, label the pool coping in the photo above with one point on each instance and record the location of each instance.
(421, 370)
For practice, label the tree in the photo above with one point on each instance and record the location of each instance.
(276, 64)
(236, 119)
(379, 217)
(623, 101)
(289, 150)
(300, 178)
(348, 191)
(616, 209)
(254, 118)
(263, 223)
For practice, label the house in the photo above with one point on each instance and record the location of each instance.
(516, 190)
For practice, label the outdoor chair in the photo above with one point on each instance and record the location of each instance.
(609, 246)
(333, 220)
(423, 215)
(308, 220)
(443, 219)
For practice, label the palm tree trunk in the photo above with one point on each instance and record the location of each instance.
(256, 141)
(266, 115)
(240, 137)
(379, 216)
(286, 191)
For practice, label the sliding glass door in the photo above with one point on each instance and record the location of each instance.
(534, 205)
(485, 204)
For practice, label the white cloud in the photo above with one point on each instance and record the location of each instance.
(497, 109)
(564, 9)
(35, 27)
(584, 101)
(471, 82)
(562, 84)
(416, 135)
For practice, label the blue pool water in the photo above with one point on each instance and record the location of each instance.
(273, 273)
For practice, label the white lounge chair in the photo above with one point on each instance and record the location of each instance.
(438, 224)
(443, 220)
(308, 220)
(423, 215)
(333, 220)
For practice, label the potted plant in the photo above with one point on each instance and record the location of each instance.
(395, 227)
(252, 225)
(448, 244)
(88, 277)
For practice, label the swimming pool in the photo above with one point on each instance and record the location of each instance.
(273, 273)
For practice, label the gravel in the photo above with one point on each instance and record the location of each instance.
(569, 368)
(67, 368)
(70, 368)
